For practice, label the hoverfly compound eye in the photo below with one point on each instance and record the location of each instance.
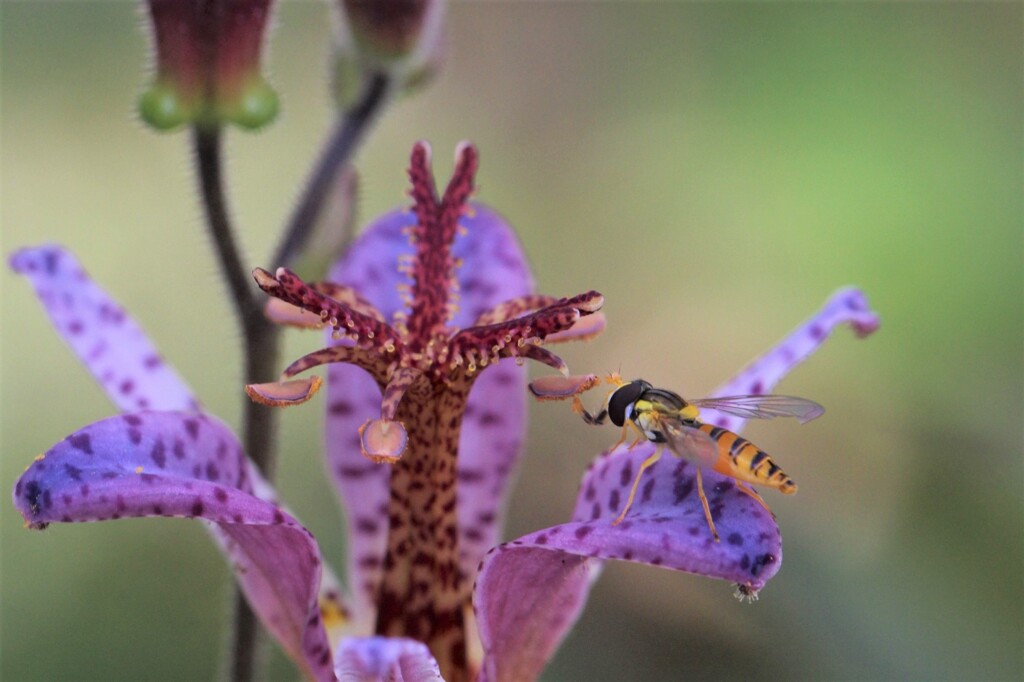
(620, 402)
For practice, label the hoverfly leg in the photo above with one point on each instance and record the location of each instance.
(640, 438)
(578, 408)
(704, 501)
(622, 438)
(744, 488)
(647, 463)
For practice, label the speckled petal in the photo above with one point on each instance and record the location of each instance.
(846, 306)
(493, 270)
(391, 659)
(188, 465)
(665, 527)
(105, 338)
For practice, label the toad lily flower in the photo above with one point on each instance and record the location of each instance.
(425, 411)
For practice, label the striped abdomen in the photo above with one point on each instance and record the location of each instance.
(741, 459)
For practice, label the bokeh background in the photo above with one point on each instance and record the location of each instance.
(716, 170)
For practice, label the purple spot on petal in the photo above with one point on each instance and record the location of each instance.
(626, 475)
(366, 525)
(582, 532)
(490, 418)
(647, 490)
(192, 427)
(81, 441)
(735, 539)
(340, 408)
(197, 508)
(682, 489)
(159, 454)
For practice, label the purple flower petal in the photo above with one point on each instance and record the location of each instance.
(362, 659)
(188, 465)
(494, 269)
(532, 589)
(847, 305)
(107, 340)
(527, 598)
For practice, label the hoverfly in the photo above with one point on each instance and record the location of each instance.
(667, 419)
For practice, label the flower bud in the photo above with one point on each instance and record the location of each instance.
(400, 38)
(208, 64)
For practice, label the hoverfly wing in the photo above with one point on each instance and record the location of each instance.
(690, 442)
(764, 406)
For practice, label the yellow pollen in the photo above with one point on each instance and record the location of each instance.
(484, 360)
(508, 338)
(520, 360)
(350, 323)
(40, 458)
(369, 334)
(389, 347)
(333, 322)
(520, 342)
(324, 314)
(471, 368)
(337, 335)
(138, 470)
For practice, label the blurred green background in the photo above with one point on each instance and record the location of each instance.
(716, 171)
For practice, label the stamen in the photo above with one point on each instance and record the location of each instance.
(382, 441)
(284, 393)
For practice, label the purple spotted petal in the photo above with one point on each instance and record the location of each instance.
(101, 334)
(188, 465)
(494, 269)
(547, 575)
(846, 306)
(367, 659)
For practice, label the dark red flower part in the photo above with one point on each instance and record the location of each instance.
(208, 64)
(424, 367)
(391, 28)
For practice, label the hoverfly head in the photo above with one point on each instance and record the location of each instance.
(620, 402)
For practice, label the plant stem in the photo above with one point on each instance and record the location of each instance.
(260, 343)
(347, 134)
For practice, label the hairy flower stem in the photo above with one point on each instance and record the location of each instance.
(347, 135)
(261, 343)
